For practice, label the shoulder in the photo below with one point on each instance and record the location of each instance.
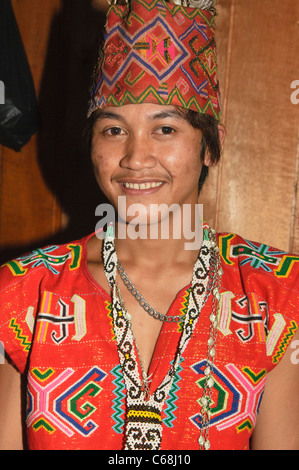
(50, 260)
(261, 284)
(258, 261)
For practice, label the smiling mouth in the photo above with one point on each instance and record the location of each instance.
(141, 186)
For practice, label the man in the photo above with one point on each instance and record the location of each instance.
(142, 342)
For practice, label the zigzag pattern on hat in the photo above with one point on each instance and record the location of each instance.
(158, 52)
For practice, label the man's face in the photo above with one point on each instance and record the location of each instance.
(148, 153)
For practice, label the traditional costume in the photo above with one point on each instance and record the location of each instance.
(223, 332)
(58, 326)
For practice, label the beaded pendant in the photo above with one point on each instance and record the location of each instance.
(143, 430)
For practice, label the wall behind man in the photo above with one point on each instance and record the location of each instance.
(47, 191)
(254, 190)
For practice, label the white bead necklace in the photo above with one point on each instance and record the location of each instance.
(143, 416)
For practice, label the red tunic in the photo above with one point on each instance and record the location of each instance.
(56, 325)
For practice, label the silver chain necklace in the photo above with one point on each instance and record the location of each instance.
(140, 299)
(143, 419)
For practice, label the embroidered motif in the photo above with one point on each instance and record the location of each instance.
(253, 390)
(291, 330)
(76, 255)
(275, 333)
(247, 424)
(45, 257)
(30, 321)
(149, 43)
(108, 308)
(38, 402)
(42, 376)
(251, 312)
(286, 265)
(257, 255)
(226, 397)
(250, 318)
(25, 342)
(73, 409)
(183, 310)
(43, 423)
(70, 412)
(62, 320)
(224, 242)
(254, 377)
(225, 312)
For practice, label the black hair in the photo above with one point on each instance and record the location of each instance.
(208, 126)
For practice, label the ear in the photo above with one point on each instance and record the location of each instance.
(222, 135)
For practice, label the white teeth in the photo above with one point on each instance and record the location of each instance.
(142, 185)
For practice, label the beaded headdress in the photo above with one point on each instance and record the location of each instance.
(156, 51)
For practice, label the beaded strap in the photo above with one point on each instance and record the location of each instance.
(143, 416)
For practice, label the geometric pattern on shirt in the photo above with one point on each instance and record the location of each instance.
(236, 396)
(276, 344)
(253, 385)
(25, 341)
(70, 411)
(258, 254)
(253, 317)
(248, 311)
(281, 348)
(45, 257)
(56, 315)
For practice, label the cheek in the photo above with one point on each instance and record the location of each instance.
(96, 161)
(100, 163)
(185, 161)
(193, 160)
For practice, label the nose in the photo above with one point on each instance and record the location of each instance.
(139, 154)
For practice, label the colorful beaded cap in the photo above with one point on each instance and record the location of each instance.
(157, 52)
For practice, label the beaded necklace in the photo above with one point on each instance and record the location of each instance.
(143, 415)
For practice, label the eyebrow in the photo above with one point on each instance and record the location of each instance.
(171, 113)
(102, 114)
(166, 114)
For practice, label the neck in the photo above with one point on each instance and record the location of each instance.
(152, 246)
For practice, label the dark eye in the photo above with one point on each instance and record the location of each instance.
(113, 131)
(166, 130)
